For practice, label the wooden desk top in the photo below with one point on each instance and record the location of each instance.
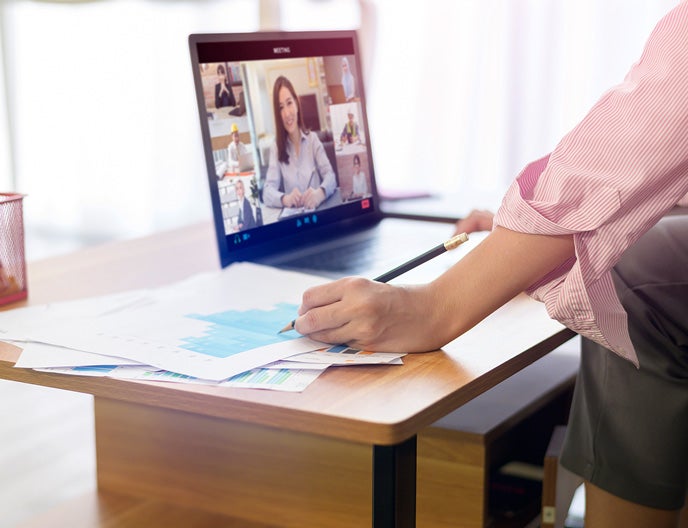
(373, 405)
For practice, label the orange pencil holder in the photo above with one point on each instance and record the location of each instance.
(13, 284)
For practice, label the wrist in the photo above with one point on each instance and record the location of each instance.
(429, 302)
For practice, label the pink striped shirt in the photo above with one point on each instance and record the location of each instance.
(607, 182)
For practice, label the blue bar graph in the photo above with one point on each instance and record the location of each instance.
(233, 332)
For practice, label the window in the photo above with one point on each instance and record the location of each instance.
(103, 128)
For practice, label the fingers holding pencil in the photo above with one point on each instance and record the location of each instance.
(312, 299)
(349, 310)
(373, 316)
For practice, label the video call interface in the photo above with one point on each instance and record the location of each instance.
(253, 105)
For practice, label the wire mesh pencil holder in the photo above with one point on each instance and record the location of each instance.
(13, 284)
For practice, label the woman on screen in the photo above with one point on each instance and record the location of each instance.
(224, 96)
(299, 171)
(359, 181)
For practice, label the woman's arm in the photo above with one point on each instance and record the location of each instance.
(324, 167)
(382, 317)
(272, 196)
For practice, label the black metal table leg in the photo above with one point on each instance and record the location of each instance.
(394, 485)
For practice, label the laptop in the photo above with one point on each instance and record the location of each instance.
(246, 162)
(346, 233)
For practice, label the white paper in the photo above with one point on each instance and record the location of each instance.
(41, 355)
(185, 327)
(290, 380)
(343, 355)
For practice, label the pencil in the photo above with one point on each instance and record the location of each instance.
(450, 244)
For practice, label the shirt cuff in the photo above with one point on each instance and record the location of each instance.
(580, 293)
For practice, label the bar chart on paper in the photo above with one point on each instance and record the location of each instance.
(232, 332)
(271, 377)
(293, 380)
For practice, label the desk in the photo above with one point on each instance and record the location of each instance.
(349, 149)
(252, 454)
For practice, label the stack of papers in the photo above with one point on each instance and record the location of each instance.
(218, 328)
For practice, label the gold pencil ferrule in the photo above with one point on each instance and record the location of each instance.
(455, 241)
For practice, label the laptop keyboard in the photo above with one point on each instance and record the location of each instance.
(369, 253)
(358, 257)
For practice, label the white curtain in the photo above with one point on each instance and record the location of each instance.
(465, 93)
(461, 94)
(6, 172)
(105, 137)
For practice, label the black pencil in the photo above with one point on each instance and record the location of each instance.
(450, 244)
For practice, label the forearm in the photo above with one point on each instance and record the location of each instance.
(381, 317)
(502, 266)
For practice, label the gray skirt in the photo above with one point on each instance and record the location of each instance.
(628, 428)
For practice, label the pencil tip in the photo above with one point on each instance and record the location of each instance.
(290, 326)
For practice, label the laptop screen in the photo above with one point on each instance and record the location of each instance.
(286, 140)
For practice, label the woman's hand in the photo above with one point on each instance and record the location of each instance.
(372, 316)
(293, 199)
(477, 220)
(312, 198)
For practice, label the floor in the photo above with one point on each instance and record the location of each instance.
(48, 445)
(48, 449)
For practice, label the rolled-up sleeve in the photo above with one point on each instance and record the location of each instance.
(607, 182)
